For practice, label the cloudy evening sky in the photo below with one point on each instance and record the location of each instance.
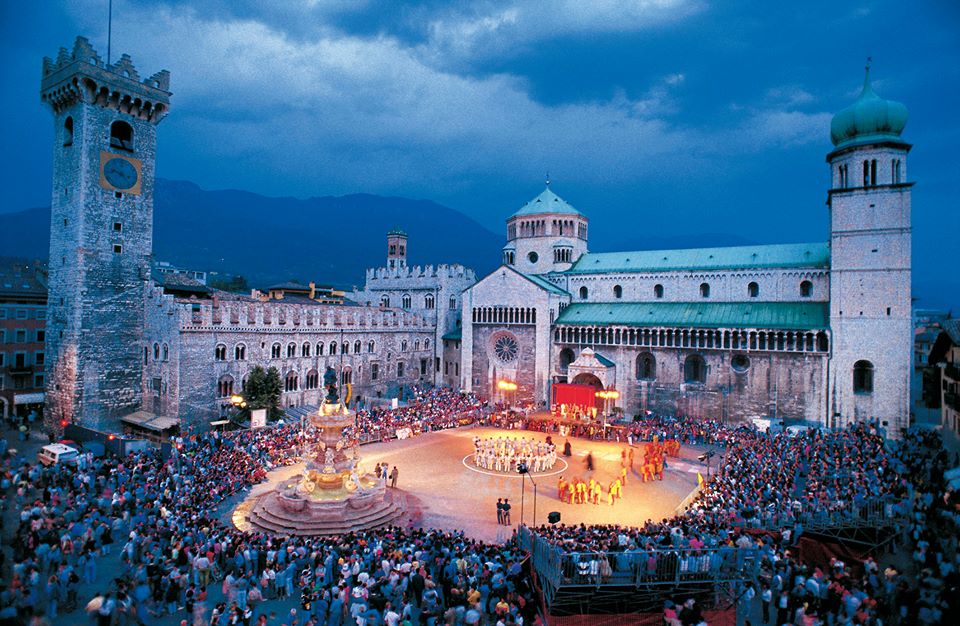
(660, 118)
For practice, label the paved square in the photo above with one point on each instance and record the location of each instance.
(436, 471)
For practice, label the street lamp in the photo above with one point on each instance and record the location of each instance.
(607, 394)
(507, 387)
(239, 403)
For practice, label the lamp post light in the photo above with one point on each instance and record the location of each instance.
(607, 394)
(507, 387)
(239, 403)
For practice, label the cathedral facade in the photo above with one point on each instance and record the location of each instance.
(818, 331)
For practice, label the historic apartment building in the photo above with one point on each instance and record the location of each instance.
(820, 330)
(23, 314)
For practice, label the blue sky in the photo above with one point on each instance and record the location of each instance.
(657, 118)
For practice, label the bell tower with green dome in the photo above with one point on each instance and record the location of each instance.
(870, 270)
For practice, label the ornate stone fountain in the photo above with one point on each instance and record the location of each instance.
(332, 496)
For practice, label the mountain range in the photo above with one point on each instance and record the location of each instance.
(330, 239)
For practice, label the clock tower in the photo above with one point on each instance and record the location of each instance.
(101, 233)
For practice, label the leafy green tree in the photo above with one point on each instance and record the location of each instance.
(263, 391)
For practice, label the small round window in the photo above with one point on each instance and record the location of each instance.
(533, 257)
(740, 363)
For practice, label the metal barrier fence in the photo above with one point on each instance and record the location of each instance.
(876, 512)
(557, 568)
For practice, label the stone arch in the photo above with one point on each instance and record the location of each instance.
(695, 369)
(646, 366)
(566, 358)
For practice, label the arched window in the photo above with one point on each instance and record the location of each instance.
(806, 289)
(405, 301)
(646, 367)
(385, 301)
(356, 347)
(426, 344)
(583, 293)
(753, 290)
(319, 348)
(658, 291)
(400, 369)
(740, 363)
(313, 379)
(704, 290)
(68, 131)
(220, 353)
(566, 358)
(345, 348)
(453, 303)
(275, 351)
(416, 345)
(146, 354)
(240, 352)
(428, 301)
(291, 383)
(370, 346)
(333, 348)
(346, 376)
(121, 135)
(695, 369)
(403, 346)
(863, 377)
(291, 350)
(225, 386)
(243, 383)
(617, 292)
(164, 352)
(156, 352)
(305, 349)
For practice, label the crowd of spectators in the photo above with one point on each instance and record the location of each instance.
(163, 517)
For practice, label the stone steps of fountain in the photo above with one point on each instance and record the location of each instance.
(392, 511)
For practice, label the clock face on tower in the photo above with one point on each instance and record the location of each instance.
(119, 173)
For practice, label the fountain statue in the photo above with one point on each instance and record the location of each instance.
(333, 495)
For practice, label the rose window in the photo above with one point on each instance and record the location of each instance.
(506, 348)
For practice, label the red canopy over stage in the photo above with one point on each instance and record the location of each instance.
(583, 396)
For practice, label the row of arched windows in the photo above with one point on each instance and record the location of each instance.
(753, 290)
(160, 353)
(406, 301)
(767, 340)
(504, 315)
(870, 179)
(305, 349)
(563, 255)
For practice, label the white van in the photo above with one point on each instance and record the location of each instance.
(57, 453)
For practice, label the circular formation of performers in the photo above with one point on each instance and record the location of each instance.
(507, 454)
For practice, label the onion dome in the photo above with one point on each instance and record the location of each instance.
(868, 120)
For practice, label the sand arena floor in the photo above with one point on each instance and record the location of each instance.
(437, 473)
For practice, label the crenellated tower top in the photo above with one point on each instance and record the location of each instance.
(81, 75)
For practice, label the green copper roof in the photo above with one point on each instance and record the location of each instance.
(454, 335)
(738, 257)
(547, 202)
(869, 119)
(787, 315)
(545, 284)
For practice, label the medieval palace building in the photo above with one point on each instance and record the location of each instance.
(820, 331)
